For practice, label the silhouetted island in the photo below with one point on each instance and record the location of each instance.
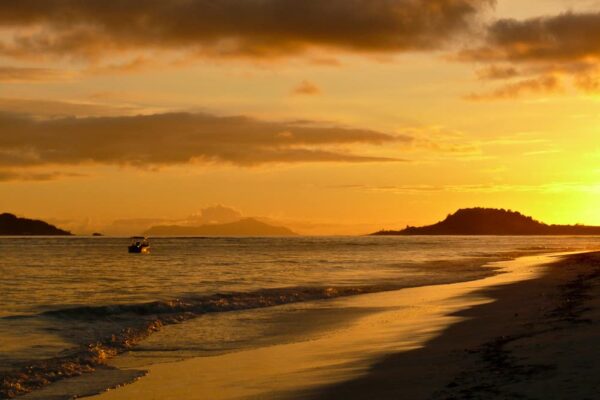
(244, 227)
(491, 221)
(11, 225)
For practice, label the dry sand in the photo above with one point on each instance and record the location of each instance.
(528, 333)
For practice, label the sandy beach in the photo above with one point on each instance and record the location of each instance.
(537, 339)
(526, 333)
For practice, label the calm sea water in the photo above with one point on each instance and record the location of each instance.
(61, 295)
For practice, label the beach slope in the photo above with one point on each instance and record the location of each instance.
(538, 339)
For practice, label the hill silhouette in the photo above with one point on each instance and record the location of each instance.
(491, 221)
(11, 225)
(244, 227)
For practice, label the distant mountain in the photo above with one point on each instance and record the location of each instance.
(244, 227)
(491, 221)
(11, 225)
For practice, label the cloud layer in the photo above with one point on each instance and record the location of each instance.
(256, 28)
(24, 74)
(177, 138)
(566, 37)
(217, 214)
(546, 49)
(532, 56)
(20, 176)
(306, 88)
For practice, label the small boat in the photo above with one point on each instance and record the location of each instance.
(139, 245)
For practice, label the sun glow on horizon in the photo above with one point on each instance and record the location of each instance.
(362, 122)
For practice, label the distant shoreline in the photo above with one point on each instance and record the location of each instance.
(491, 222)
(11, 225)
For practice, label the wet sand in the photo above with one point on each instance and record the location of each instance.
(526, 333)
(538, 339)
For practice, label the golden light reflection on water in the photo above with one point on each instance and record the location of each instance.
(409, 318)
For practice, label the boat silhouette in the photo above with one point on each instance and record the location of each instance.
(139, 245)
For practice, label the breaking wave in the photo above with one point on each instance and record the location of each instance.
(131, 323)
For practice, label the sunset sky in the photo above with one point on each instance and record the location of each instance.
(336, 116)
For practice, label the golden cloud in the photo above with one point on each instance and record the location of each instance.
(178, 138)
(27, 74)
(306, 88)
(544, 48)
(539, 85)
(37, 176)
(567, 37)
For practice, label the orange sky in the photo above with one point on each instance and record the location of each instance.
(338, 117)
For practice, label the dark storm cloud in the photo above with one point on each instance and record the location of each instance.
(258, 28)
(178, 138)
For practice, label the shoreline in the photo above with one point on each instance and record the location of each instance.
(369, 361)
(333, 366)
(536, 340)
(94, 357)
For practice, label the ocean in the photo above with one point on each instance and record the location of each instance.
(69, 304)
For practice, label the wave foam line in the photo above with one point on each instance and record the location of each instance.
(143, 320)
